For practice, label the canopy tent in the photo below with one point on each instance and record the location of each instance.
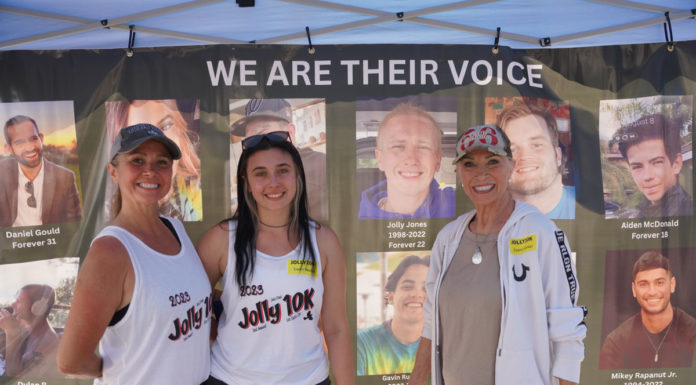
(63, 63)
(97, 24)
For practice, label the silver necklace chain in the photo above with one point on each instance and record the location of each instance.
(657, 349)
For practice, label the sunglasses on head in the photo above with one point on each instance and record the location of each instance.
(271, 137)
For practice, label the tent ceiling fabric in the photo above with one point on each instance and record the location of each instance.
(76, 24)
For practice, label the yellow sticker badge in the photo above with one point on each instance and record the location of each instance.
(301, 266)
(523, 245)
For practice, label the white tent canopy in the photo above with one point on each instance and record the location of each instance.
(96, 24)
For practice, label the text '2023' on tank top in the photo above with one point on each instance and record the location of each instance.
(164, 336)
(269, 332)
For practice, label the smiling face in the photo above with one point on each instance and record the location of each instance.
(271, 177)
(652, 170)
(143, 175)
(537, 159)
(26, 144)
(652, 289)
(409, 296)
(408, 151)
(484, 176)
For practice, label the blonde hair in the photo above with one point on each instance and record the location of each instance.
(409, 109)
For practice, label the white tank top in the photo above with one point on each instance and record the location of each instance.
(270, 334)
(164, 336)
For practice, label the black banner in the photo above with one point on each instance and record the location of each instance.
(615, 196)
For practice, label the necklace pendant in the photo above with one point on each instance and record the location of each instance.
(656, 357)
(477, 257)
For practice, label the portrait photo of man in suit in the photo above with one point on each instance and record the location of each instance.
(33, 190)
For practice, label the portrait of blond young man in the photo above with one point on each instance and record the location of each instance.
(409, 153)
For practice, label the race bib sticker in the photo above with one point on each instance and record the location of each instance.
(523, 245)
(302, 266)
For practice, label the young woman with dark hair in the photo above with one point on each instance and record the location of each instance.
(283, 278)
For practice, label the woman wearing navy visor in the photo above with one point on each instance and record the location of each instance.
(141, 293)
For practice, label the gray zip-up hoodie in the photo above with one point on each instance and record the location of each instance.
(542, 327)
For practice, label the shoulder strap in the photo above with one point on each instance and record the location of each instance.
(171, 228)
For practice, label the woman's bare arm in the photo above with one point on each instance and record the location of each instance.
(104, 284)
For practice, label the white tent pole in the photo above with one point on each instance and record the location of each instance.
(601, 31)
(446, 7)
(51, 35)
(44, 15)
(476, 30)
(637, 5)
(338, 7)
(151, 31)
(374, 12)
(333, 28)
(383, 17)
(413, 16)
(162, 11)
(181, 35)
(378, 17)
(391, 17)
(93, 25)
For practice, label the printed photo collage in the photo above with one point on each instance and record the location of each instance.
(405, 176)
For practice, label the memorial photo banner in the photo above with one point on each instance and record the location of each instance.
(601, 137)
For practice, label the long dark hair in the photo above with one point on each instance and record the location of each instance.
(247, 214)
